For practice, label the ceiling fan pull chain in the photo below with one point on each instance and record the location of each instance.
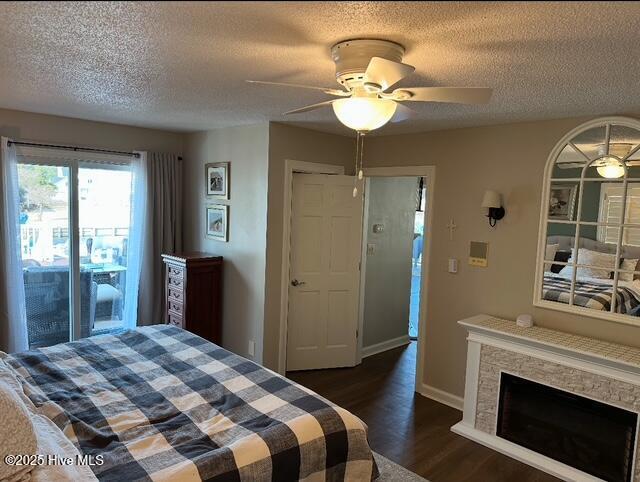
(355, 179)
(360, 173)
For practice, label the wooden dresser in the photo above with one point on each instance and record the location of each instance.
(193, 293)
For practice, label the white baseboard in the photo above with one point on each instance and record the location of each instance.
(441, 396)
(385, 345)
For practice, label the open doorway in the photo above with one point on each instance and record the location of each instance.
(412, 174)
(394, 241)
(416, 258)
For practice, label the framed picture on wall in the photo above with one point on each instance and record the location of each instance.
(218, 222)
(562, 200)
(217, 179)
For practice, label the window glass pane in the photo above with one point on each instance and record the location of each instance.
(562, 235)
(569, 164)
(633, 169)
(104, 216)
(593, 208)
(560, 241)
(622, 140)
(610, 209)
(563, 201)
(631, 241)
(44, 235)
(591, 141)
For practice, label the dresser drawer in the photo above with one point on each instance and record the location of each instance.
(175, 283)
(175, 294)
(174, 319)
(175, 306)
(175, 271)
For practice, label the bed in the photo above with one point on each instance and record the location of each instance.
(159, 403)
(593, 292)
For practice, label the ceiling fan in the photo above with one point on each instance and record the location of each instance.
(367, 69)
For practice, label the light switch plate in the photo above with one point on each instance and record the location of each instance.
(453, 265)
(371, 249)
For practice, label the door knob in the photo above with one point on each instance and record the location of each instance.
(295, 282)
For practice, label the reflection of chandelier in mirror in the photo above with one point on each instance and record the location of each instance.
(610, 164)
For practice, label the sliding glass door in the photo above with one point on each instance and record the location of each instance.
(104, 205)
(45, 249)
(74, 225)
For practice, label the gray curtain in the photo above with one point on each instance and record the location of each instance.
(163, 232)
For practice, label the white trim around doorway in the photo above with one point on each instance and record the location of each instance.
(429, 173)
(290, 167)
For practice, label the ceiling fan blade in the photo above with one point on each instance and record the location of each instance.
(385, 72)
(326, 90)
(402, 113)
(310, 107)
(458, 95)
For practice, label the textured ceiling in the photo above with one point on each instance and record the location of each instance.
(182, 65)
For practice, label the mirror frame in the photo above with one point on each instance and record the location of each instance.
(538, 301)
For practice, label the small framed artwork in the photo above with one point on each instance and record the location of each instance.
(218, 222)
(562, 200)
(217, 179)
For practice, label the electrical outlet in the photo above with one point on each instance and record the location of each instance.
(252, 348)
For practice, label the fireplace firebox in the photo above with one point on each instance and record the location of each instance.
(591, 436)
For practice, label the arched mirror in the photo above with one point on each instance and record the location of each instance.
(589, 245)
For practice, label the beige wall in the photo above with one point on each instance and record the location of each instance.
(387, 289)
(246, 149)
(508, 158)
(64, 130)
(287, 142)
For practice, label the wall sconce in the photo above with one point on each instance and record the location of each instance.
(493, 203)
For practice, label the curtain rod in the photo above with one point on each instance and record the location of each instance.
(76, 148)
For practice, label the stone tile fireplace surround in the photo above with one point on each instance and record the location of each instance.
(601, 371)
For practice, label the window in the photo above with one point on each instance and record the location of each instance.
(589, 244)
(74, 228)
(611, 210)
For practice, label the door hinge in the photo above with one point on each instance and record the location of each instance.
(357, 334)
(359, 265)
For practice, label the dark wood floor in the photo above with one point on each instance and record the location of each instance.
(408, 428)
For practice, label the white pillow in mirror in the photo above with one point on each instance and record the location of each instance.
(550, 251)
(628, 264)
(595, 260)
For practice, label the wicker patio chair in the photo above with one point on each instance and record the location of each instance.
(47, 304)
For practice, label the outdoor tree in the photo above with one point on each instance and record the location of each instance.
(37, 187)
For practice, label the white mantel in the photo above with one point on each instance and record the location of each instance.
(600, 370)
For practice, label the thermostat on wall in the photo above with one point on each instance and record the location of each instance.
(478, 254)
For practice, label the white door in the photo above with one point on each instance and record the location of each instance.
(326, 228)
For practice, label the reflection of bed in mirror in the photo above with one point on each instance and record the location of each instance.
(593, 287)
(591, 194)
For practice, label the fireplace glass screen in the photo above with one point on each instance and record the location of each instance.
(591, 436)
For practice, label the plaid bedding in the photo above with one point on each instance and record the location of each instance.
(159, 403)
(588, 294)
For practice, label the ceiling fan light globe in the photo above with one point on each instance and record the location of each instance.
(611, 167)
(364, 114)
